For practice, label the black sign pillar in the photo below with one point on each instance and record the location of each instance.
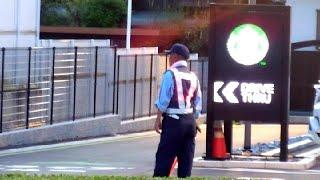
(248, 78)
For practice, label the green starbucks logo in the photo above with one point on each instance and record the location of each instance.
(248, 44)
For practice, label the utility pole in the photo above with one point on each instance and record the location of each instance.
(128, 37)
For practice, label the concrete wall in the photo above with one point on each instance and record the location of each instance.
(303, 19)
(74, 42)
(107, 125)
(133, 51)
(20, 20)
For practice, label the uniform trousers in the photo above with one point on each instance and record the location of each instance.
(177, 140)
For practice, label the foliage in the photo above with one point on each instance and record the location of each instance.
(54, 13)
(104, 13)
(197, 39)
(83, 13)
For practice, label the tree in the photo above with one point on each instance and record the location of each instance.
(197, 39)
(83, 13)
(54, 13)
(105, 13)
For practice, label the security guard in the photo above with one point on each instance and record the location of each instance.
(179, 103)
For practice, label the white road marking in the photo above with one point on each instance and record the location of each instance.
(23, 170)
(66, 167)
(21, 166)
(67, 170)
(108, 168)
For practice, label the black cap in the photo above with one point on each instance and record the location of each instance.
(180, 49)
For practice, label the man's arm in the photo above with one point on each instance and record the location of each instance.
(158, 123)
(198, 102)
(165, 94)
(198, 106)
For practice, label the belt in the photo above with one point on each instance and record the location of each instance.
(179, 111)
(174, 116)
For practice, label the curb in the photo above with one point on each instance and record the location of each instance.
(291, 147)
(304, 164)
(308, 160)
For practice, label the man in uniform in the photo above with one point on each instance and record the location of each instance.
(179, 103)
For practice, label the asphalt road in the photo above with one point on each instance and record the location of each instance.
(135, 155)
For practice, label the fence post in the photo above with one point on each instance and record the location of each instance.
(114, 79)
(28, 89)
(166, 62)
(202, 73)
(52, 84)
(134, 85)
(75, 82)
(190, 65)
(2, 88)
(95, 82)
(118, 73)
(150, 95)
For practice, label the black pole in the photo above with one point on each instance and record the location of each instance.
(135, 85)
(190, 65)
(95, 82)
(166, 62)
(75, 83)
(247, 136)
(228, 135)
(28, 89)
(284, 141)
(114, 79)
(2, 88)
(202, 79)
(118, 73)
(52, 84)
(150, 95)
(285, 90)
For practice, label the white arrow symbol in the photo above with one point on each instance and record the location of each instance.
(216, 97)
(228, 92)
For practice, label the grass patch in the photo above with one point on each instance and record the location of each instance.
(93, 177)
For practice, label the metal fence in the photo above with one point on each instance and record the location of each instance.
(138, 80)
(44, 86)
(41, 86)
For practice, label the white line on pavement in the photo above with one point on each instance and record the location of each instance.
(108, 168)
(23, 170)
(21, 166)
(67, 170)
(65, 167)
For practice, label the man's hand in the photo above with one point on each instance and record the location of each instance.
(198, 128)
(158, 124)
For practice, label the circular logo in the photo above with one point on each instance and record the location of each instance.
(248, 44)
